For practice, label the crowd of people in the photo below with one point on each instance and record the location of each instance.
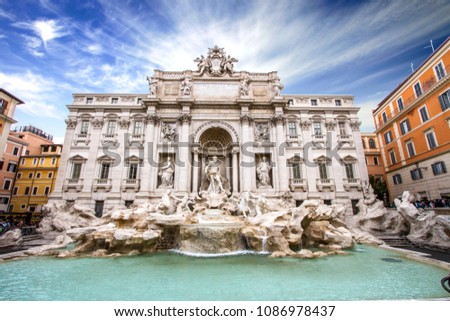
(437, 203)
(8, 225)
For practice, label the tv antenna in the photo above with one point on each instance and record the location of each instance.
(430, 46)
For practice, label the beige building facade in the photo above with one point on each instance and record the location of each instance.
(121, 149)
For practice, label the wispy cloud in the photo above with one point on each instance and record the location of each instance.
(46, 30)
(37, 92)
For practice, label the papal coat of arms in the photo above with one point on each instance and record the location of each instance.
(216, 63)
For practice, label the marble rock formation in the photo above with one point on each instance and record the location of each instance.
(426, 228)
(189, 224)
(11, 238)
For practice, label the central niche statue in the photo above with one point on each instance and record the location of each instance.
(212, 171)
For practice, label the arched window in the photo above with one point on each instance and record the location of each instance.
(371, 143)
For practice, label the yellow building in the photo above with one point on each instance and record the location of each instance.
(35, 180)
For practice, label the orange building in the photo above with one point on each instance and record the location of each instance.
(372, 152)
(8, 103)
(413, 129)
(15, 148)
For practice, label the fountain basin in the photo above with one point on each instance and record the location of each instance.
(364, 274)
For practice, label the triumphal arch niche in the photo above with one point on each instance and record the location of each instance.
(218, 108)
(211, 129)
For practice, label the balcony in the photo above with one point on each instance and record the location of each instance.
(139, 138)
(298, 184)
(110, 139)
(82, 138)
(352, 183)
(293, 139)
(104, 183)
(73, 183)
(325, 183)
(345, 139)
(130, 183)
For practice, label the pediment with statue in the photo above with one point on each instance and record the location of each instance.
(216, 63)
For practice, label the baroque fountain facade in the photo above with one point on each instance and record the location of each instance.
(213, 161)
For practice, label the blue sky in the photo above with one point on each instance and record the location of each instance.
(51, 49)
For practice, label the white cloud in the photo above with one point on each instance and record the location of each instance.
(46, 30)
(95, 49)
(37, 92)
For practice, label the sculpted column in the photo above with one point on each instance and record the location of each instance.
(147, 181)
(246, 161)
(195, 174)
(183, 149)
(235, 168)
(283, 171)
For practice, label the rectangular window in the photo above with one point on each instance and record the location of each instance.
(19, 175)
(111, 129)
(27, 190)
(132, 171)
(342, 129)
(444, 100)
(84, 127)
(99, 208)
(338, 102)
(384, 117)
(12, 167)
(42, 161)
(7, 184)
(15, 151)
(388, 137)
(313, 102)
(3, 105)
(323, 171)
(137, 128)
(76, 171)
(375, 161)
(431, 140)
(16, 190)
(53, 161)
(418, 89)
(1, 164)
(115, 100)
(440, 72)
(424, 114)
(38, 175)
(292, 129)
(30, 175)
(35, 161)
(317, 128)
(416, 174)
(47, 190)
(89, 101)
(392, 156)
(53, 148)
(397, 178)
(139, 101)
(400, 103)
(50, 174)
(22, 162)
(296, 171)
(104, 170)
(411, 149)
(35, 190)
(438, 168)
(349, 171)
(405, 127)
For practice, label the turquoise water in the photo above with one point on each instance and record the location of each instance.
(364, 274)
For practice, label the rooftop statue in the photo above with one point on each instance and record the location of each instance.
(216, 63)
